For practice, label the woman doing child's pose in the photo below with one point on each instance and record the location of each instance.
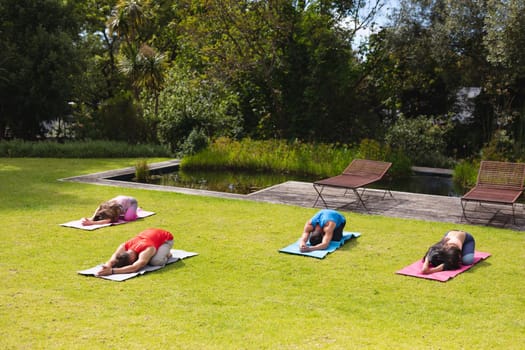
(454, 249)
(113, 210)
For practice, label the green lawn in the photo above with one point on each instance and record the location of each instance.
(239, 292)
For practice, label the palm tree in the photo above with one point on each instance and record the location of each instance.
(145, 68)
(127, 18)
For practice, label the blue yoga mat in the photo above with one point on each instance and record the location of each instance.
(320, 254)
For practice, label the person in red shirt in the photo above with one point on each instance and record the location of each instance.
(152, 246)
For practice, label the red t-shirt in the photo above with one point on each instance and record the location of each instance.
(152, 237)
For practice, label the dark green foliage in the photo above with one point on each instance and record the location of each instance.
(466, 173)
(117, 119)
(193, 110)
(421, 139)
(264, 69)
(80, 149)
(195, 142)
(40, 61)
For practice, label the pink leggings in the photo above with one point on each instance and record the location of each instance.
(131, 213)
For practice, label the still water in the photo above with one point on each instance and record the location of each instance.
(248, 182)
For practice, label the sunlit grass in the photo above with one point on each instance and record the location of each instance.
(239, 292)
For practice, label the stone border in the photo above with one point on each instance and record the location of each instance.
(104, 179)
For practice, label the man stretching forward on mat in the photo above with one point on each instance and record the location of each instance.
(151, 246)
(325, 226)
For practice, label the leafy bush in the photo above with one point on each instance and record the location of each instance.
(465, 173)
(371, 149)
(191, 105)
(116, 119)
(421, 139)
(195, 142)
(499, 148)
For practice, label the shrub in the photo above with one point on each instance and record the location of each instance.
(191, 105)
(371, 149)
(465, 173)
(421, 139)
(499, 148)
(117, 119)
(142, 173)
(195, 142)
(80, 149)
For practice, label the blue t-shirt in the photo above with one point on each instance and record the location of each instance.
(325, 215)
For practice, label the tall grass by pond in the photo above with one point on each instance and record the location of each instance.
(80, 149)
(466, 173)
(284, 157)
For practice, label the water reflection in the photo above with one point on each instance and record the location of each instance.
(426, 184)
(224, 181)
(248, 182)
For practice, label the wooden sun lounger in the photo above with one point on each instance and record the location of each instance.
(359, 173)
(497, 183)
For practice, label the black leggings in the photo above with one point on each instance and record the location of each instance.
(338, 232)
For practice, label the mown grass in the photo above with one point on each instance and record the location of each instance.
(239, 293)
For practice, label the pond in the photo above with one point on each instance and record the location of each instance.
(243, 182)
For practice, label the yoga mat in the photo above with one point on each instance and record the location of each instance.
(78, 223)
(320, 254)
(414, 269)
(176, 255)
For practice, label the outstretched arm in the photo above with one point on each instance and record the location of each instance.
(91, 221)
(88, 222)
(327, 237)
(426, 269)
(308, 227)
(107, 268)
(143, 259)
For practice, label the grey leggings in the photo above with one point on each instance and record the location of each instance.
(161, 256)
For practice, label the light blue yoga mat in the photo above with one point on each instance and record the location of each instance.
(320, 254)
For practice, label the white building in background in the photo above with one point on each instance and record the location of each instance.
(465, 103)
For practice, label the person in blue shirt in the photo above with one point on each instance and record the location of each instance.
(325, 226)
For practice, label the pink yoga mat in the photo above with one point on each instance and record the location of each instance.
(414, 269)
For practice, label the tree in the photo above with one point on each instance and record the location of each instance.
(192, 109)
(291, 62)
(41, 59)
(430, 51)
(504, 41)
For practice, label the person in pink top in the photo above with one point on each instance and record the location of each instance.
(120, 207)
(152, 246)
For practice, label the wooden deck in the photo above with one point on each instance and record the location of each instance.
(400, 205)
